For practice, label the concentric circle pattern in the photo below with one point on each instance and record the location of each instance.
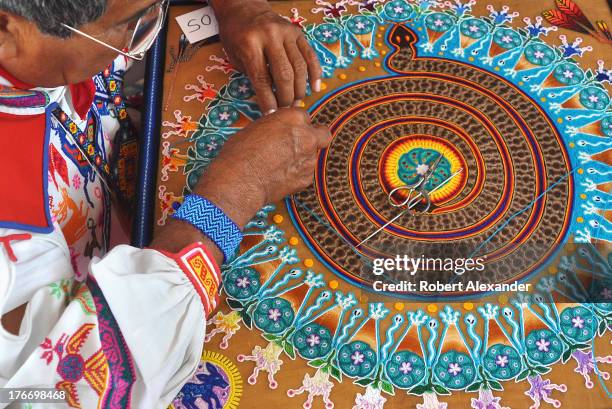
(387, 131)
(408, 159)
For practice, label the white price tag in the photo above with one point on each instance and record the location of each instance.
(199, 24)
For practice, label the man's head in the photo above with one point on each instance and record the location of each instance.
(37, 49)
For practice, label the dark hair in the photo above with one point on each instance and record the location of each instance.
(50, 14)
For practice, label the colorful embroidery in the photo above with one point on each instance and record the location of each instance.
(86, 141)
(203, 273)
(72, 290)
(57, 166)
(122, 376)
(61, 289)
(74, 226)
(16, 98)
(72, 367)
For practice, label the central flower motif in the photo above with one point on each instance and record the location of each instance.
(577, 322)
(454, 369)
(357, 358)
(313, 340)
(542, 345)
(502, 360)
(405, 368)
(243, 282)
(274, 314)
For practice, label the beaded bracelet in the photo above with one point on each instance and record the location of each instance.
(212, 222)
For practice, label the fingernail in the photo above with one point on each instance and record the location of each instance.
(298, 103)
(317, 85)
(270, 111)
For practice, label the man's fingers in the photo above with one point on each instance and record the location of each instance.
(282, 73)
(312, 62)
(257, 72)
(299, 70)
(324, 136)
(311, 162)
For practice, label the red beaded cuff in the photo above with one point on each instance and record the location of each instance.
(201, 269)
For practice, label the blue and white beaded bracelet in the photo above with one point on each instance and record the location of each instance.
(212, 222)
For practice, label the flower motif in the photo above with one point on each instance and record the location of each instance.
(398, 10)
(568, 74)
(327, 33)
(539, 54)
(223, 116)
(486, 400)
(273, 315)
(312, 341)
(240, 88)
(502, 361)
(507, 38)
(405, 369)
(209, 145)
(438, 22)
(371, 399)
(473, 28)
(413, 163)
(594, 98)
(430, 401)
(356, 359)
(455, 370)
(543, 346)
(422, 169)
(578, 323)
(76, 181)
(360, 25)
(242, 283)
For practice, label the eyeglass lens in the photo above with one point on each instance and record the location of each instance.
(147, 27)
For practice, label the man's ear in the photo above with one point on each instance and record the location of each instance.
(9, 33)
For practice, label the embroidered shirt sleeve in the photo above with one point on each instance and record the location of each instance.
(131, 334)
(201, 269)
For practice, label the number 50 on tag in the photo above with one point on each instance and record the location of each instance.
(199, 24)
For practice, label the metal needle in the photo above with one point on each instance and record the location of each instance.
(410, 206)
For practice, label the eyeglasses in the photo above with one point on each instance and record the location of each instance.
(144, 32)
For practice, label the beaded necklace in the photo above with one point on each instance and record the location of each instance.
(119, 176)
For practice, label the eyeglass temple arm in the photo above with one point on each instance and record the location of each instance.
(134, 57)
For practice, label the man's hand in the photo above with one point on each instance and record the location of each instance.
(271, 51)
(265, 162)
